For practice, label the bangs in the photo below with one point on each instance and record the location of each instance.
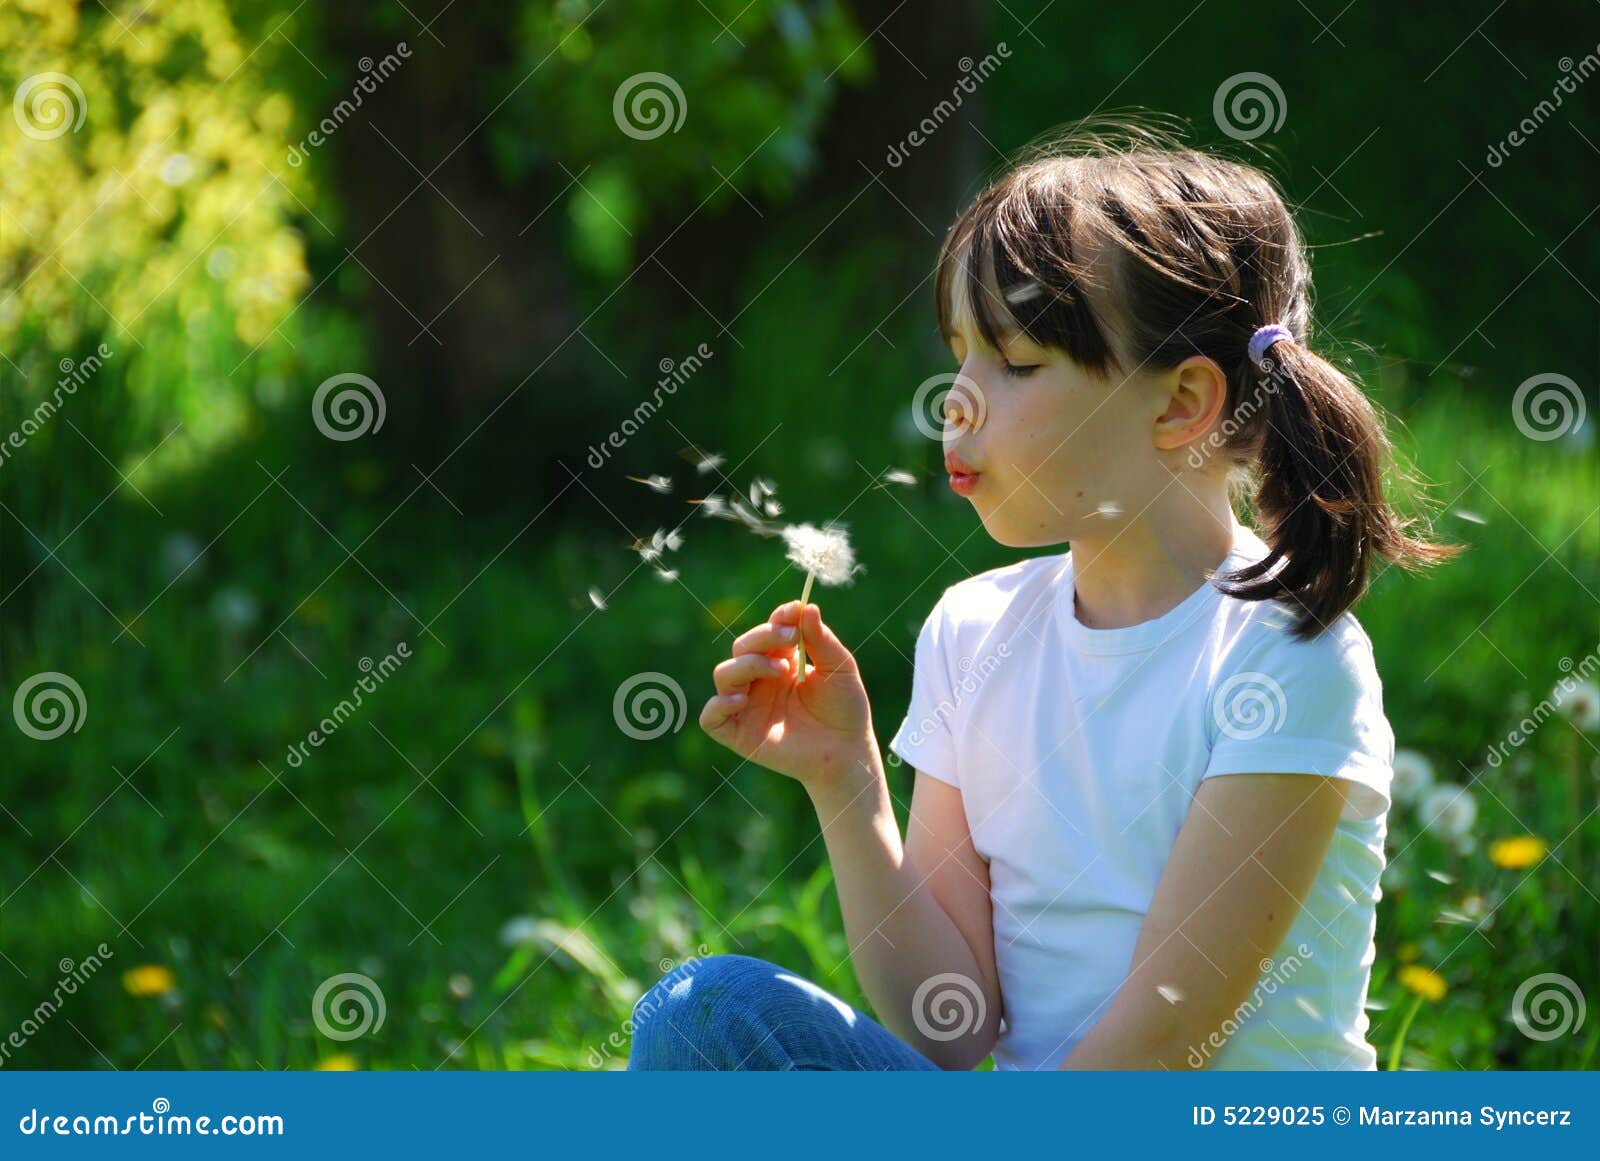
(1010, 265)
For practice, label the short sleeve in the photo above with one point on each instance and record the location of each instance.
(1306, 707)
(926, 738)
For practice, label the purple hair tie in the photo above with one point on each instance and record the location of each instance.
(1265, 337)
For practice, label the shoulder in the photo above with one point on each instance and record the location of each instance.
(983, 613)
(1255, 636)
(981, 604)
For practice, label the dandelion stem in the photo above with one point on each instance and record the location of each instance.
(1400, 1039)
(805, 595)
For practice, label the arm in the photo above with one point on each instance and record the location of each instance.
(915, 912)
(911, 912)
(1237, 877)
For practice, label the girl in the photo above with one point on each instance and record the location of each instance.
(1148, 818)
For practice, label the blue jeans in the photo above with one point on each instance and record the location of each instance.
(730, 1013)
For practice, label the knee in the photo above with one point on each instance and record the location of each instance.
(680, 1021)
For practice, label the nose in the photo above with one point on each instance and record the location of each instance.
(962, 406)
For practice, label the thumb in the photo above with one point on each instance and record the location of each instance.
(826, 650)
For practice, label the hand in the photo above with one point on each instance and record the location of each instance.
(816, 730)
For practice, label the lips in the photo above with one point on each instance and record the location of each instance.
(957, 466)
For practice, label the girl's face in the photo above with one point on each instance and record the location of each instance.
(1060, 455)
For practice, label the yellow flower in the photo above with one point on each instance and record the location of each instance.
(1518, 853)
(1423, 981)
(149, 979)
(338, 1062)
(1407, 951)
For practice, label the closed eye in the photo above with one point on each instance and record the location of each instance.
(1018, 370)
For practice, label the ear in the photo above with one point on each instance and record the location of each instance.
(1197, 395)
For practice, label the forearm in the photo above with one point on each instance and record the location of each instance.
(899, 935)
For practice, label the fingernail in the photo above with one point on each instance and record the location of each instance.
(736, 697)
(787, 632)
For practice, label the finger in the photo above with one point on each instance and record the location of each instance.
(767, 638)
(719, 709)
(735, 674)
(787, 613)
(822, 644)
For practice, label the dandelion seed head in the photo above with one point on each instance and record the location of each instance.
(823, 551)
(1413, 775)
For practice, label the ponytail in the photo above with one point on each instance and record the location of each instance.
(1319, 495)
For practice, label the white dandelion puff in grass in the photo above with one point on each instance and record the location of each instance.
(826, 555)
(1449, 811)
(1413, 776)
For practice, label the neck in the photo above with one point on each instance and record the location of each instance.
(1137, 572)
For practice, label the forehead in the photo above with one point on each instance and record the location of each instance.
(963, 321)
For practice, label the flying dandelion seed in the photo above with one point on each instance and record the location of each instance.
(1469, 517)
(1027, 292)
(660, 541)
(657, 483)
(762, 499)
(597, 599)
(826, 555)
(666, 574)
(702, 460)
(899, 476)
(1108, 509)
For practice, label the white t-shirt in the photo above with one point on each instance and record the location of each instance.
(1077, 752)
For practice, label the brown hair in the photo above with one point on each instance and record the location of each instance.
(1115, 244)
